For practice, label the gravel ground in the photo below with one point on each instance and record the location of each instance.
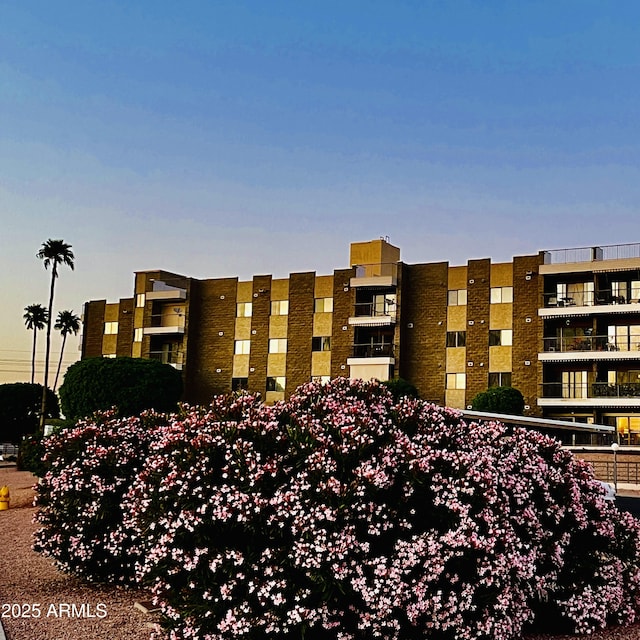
(27, 578)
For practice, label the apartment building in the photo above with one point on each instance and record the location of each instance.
(562, 326)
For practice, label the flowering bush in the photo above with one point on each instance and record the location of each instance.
(344, 514)
(89, 469)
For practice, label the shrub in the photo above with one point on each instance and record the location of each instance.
(131, 385)
(20, 404)
(400, 387)
(89, 468)
(30, 455)
(341, 514)
(506, 400)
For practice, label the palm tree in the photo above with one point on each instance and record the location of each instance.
(66, 323)
(54, 253)
(35, 318)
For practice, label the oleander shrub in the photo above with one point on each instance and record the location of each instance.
(89, 468)
(30, 454)
(345, 514)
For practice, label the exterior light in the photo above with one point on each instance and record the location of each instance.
(614, 447)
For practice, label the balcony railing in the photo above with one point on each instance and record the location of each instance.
(167, 320)
(162, 291)
(590, 343)
(165, 324)
(590, 390)
(375, 309)
(589, 299)
(373, 350)
(375, 270)
(589, 254)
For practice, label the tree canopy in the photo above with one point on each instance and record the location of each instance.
(507, 400)
(20, 409)
(131, 385)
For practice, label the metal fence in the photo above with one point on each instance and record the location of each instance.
(628, 472)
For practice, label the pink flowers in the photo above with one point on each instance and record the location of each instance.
(342, 514)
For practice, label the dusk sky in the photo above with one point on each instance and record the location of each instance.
(216, 138)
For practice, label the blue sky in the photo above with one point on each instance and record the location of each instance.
(205, 137)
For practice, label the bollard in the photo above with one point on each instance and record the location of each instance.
(4, 498)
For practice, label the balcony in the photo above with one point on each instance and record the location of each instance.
(375, 275)
(374, 314)
(572, 349)
(165, 324)
(589, 302)
(166, 293)
(372, 360)
(596, 394)
(373, 350)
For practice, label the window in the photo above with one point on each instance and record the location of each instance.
(239, 384)
(456, 338)
(574, 384)
(321, 343)
(108, 355)
(501, 295)
(619, 292)
(244, 309)
(457, 297)
(323, 305)
(137, 335)
(456, 380)
(276, 384)
(278, 345)
(110, 328)
(574, 294)
(140, 300)
(279, 307)
(500, 337)
(623, 338)
(242, 347)
(384, 304)
(321, 379)
(623, 377)
(628, 429)
(502, 379)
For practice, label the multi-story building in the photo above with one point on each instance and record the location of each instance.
(590, 347)
(561, 326)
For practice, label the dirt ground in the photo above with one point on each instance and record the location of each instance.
(36, 600)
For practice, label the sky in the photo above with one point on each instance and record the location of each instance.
(232, 138)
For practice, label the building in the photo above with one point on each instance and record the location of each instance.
(562, 326)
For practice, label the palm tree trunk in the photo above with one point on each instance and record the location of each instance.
(33, 355)
(43, 406)
(55, 383)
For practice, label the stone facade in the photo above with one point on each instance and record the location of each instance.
(423, 327)
(299, 330)
(452, 331)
